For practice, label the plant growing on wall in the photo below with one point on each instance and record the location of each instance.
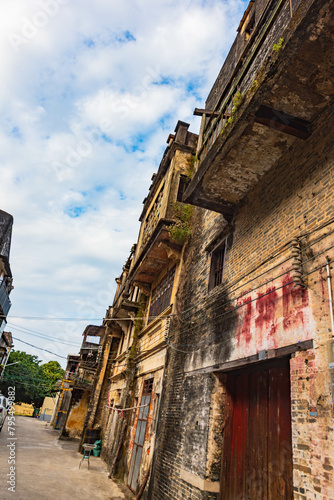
(190, 166)
(237, 100)
(278, 46)
(181, 230)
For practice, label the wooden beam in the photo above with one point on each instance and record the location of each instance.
(283, 122)
(208, 112)
(254, 359)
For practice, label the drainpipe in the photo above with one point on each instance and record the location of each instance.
(330, 298)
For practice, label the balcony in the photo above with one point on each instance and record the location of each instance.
(123, 306)
(154, 336)
(156, 248)
(5, 303)
(269, 94)
(156, 255)
(120, 367)
(83, 380)
(152, 219)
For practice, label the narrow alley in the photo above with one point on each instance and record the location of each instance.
(46, 468)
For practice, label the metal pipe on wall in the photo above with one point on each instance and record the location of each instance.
(330, 297)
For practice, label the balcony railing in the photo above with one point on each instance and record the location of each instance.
(152, 218)
(155, 335)
(80, 380)
(267, 98)
(5, 303)
(246, 66)
(119, 367)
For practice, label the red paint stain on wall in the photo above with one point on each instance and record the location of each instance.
(266, 312)
(295, 300)
(244, 320)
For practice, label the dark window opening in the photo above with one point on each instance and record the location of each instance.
(162, 294)
(250, 26)
(217, 266)
(148, 386)
(183, 184)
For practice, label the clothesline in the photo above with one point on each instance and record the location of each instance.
(121, 410)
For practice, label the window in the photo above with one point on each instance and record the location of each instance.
(250, 26)
(183, 184)
(162, 293)
(217, 266)
(148, 386)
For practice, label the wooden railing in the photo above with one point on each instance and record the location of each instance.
(240, 82)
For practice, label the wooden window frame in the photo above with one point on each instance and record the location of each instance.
(162, 294)
(217, 265)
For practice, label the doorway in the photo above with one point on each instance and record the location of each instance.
(140, 435)
(257, 451)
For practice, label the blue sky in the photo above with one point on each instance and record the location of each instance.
(88, 96)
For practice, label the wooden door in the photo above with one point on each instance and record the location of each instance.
(257, 454)
(140, 435)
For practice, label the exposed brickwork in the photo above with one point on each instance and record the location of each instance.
(293, 199)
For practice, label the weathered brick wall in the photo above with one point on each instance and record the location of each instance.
(312, 428)
(294, 199)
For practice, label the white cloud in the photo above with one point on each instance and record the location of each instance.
(88, 96)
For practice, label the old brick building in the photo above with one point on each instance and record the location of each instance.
(78, 383)
(247, 406)
(128, 382)
(215, 379)
(6, 286)
(6, 344)
(6, 278)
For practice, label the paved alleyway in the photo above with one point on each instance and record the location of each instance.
(47, 468)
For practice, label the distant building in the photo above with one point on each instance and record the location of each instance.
(78, 383)
(6, 344)
(6, 279)
(47, 409)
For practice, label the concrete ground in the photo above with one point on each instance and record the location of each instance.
(46, 468)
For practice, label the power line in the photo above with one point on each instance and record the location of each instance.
(45, 318)
(35, 346)
(34, 385)
(41, 335)
(283, 248)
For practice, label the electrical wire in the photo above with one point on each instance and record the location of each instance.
(42, 336)
(175, 346)
(283, 248)
(268, 259)
(205, 341)
(45, 318)
(30, 379)
(318, 228)
(36, 347)
(33, 385)
(250, 291)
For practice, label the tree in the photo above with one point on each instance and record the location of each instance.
(52, 372)
(32, 381)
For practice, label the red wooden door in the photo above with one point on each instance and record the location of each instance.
(257, 454)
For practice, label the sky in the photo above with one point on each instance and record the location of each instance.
(89, 92)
